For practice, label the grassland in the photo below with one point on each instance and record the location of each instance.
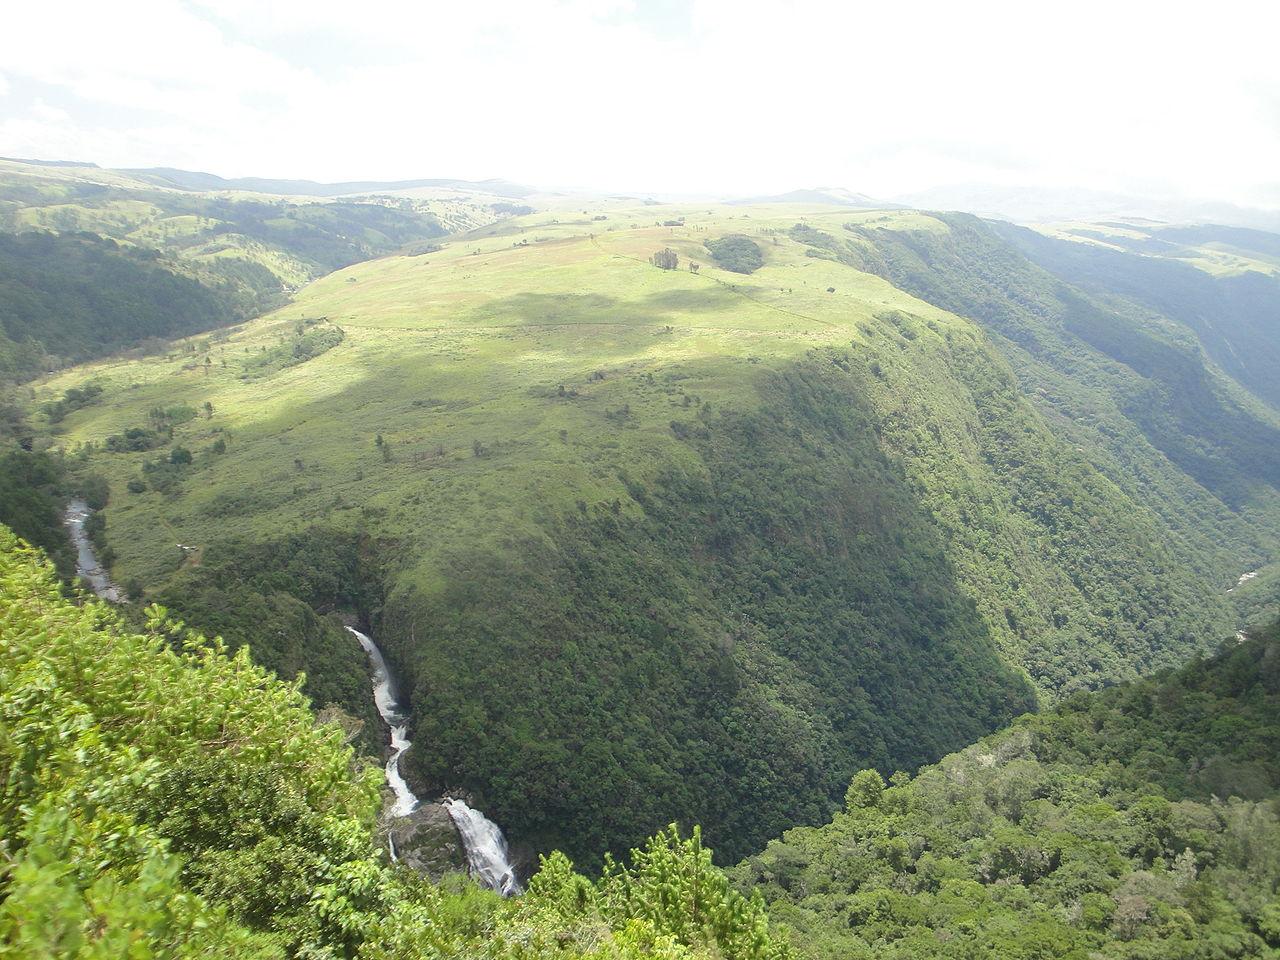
(467, 346)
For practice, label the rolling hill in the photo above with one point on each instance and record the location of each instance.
(661, 543)
(103, 244)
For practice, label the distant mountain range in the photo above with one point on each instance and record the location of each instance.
(1047, 204)
(196, 181)
(824, 195)
(1035, 204)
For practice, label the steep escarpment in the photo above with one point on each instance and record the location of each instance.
(1130, 388)
(727, 647)
(849, 569)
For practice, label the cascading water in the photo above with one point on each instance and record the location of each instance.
(384, 697)
(482, 840)
(486, 848)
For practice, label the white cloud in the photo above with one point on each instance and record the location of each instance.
(712, 95)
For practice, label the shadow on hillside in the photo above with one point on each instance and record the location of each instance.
(656, 309)
(726, 647)
(1009, 280)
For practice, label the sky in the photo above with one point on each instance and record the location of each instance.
(721, 97)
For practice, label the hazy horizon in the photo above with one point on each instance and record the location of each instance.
(706, 98)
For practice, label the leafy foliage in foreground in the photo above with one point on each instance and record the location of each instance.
(178, 803)
(1140, 822)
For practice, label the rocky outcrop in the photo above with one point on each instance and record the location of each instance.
(427, 841)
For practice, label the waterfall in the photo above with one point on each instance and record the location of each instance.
(87, 566)
(485, 846)
(384, 697)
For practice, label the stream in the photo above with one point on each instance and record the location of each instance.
(87, 566)
(487, 857)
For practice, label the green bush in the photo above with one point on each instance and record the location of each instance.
(736, 252)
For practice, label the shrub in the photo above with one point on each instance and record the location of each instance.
(737, 253)
(666, 259)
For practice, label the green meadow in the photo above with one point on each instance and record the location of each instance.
(467, 350)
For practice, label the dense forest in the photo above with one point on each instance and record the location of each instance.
(786, 616)
(1139, 822)
(279, 598)
(162, 796)
(69, 297)
(732, 655)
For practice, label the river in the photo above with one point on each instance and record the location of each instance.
(87, 567)
(487, 856)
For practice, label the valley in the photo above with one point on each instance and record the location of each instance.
(597, 480)
(724, 538)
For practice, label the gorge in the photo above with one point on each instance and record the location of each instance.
(482, 839)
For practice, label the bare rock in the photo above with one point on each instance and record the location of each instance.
(427, 841)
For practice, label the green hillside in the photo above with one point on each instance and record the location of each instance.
(174, 260)
(652, 544)
(71, 297)
(1221, 283)
(161, 800)
(1140, 822)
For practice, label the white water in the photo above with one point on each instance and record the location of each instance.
(482, 840)
(486, 848)
(1244, 578)
(87, 566)
(384, 697)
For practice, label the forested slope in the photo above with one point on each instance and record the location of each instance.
(1137, 822)
(1230, 307)
(72, 297)
(159, 799)
(162, 799)
(1132, 389)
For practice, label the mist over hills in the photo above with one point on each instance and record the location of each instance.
(1038, 204)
